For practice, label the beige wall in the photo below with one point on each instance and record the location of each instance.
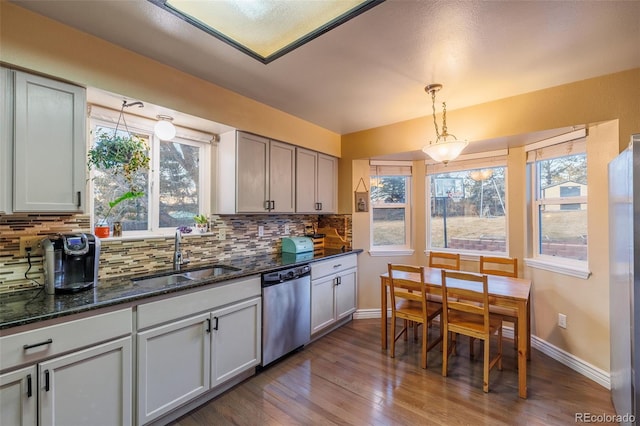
(610, 107)
(32, 42)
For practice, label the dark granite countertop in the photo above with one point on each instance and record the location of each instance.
(35, 305)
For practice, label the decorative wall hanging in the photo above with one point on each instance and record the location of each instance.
(361, 198)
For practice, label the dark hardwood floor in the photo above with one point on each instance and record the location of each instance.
(345, 378)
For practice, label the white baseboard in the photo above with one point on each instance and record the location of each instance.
(588, 370)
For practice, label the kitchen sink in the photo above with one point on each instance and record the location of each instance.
(212, 271)
(162, 281)
(179, 277)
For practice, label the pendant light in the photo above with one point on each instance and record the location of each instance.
(164, 128)
(442, 150)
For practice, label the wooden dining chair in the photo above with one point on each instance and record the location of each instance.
(444, 260)
(506, 267)
(409, 303)
(465, 310)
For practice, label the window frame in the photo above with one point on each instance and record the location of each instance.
(106, 117)
(469, 162)
(541, 152)
(387, 168)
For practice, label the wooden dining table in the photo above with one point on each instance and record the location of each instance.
(508, 292)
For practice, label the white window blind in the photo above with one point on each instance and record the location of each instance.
(390, 168)
(470, 164)
(563, 149)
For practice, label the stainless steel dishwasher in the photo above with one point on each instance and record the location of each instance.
(286, 312)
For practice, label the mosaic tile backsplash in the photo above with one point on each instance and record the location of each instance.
(132, 256)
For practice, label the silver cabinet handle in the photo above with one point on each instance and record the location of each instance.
(35, 345)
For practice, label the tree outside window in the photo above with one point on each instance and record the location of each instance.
(390, 211)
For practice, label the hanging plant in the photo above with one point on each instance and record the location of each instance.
(120, 155)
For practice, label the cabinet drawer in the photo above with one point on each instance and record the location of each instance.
(154, 313)
(56, 339)
(327, 267)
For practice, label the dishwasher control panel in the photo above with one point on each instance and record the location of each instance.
(285, 275)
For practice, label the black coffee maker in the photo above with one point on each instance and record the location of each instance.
(70, 262)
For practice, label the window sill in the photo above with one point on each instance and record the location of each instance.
(567, 267)
(389, 252)
(155, 235)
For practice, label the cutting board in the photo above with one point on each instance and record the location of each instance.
(333, 240)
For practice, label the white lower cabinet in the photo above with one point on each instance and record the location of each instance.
(235, 339)
(18, 399)
(333, 291)
(73, 373)
(89, 387)
(188, 346)
(173, 366)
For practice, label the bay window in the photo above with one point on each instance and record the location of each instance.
(467, 206)
(559, 202)
(390, 206)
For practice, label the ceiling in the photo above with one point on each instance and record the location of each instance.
(371, 71)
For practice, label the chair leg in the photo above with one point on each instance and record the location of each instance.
(500, 348)
(425, 340)
(485, 375)
(471, 342)
(393, 336)
(454, 343)
(445, 353)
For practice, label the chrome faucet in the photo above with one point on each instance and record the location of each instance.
(178, 258)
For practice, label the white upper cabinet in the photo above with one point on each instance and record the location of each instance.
(6, 140)
(254, 175)
(252, 160)
(316, 182)
(49, 145)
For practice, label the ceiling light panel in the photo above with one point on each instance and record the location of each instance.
(266, 29)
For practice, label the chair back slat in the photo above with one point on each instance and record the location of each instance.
(466, 292)
(503, 266)
(444, 260)
(403, 288)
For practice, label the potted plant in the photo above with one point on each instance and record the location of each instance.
(119, 156)
(102, 227)
(202, 223)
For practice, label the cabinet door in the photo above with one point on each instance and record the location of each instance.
(282, 166)
(18, 403)
(173, 366)
(235, 340)
(252, 173)
(88, 387)
(322, 303)
(327, 183)
(6, 140)
(346, 294)
(306, 175)
(49, 145)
